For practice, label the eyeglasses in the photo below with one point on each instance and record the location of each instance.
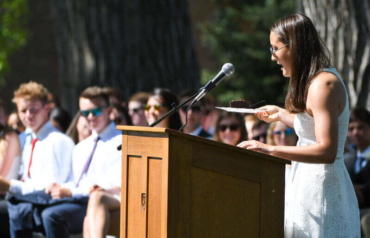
(233, 127)
(135, 110)
(157, 107)
(287, 132)
(96, 111)
(195, 109)
(272, 51)
(258, 137)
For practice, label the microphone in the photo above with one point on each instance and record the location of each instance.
(227, 69)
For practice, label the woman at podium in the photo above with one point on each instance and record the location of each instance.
(320, 199)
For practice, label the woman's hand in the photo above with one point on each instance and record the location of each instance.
(257, 146)
(270, 113)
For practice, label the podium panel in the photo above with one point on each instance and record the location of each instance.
(178, 185)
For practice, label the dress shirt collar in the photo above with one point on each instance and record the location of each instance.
(107, 133)
(365, 154)
(28, 131)
(196, 131)
(44, 131)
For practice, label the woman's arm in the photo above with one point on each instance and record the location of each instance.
(324, 96)
(10, 148)
(273, 114)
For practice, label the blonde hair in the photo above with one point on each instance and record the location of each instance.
(31, 91)
(270, 134)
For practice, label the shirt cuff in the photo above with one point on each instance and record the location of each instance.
(79, 192)
(15, 186)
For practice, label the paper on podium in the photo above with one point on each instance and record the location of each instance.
(240, 110)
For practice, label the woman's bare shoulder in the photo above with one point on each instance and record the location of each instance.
(325, 89)
(326, 83)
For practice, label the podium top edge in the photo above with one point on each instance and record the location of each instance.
(199, 139)
(142, 128)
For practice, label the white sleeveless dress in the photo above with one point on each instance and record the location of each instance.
(320, 199)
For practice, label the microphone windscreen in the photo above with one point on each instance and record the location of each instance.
(228, 69)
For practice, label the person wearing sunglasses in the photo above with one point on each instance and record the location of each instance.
(230, 128)
(95, 177)
(136, 106)
(195, 114)
(320, 196)
(158, 105)
(280, 134)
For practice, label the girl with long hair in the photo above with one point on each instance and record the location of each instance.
(320, 200)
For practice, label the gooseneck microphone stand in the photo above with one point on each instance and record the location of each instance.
(175, 108)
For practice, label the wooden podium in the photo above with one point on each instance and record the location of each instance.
(178, 186)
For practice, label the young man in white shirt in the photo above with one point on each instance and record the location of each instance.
(96, 166)
(47, 153)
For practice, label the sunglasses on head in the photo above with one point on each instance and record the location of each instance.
(195, 109)
(287, 132)
(157, 107)
(233, 127)
(96, 111)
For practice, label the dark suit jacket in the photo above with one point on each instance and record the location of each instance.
(361, 178)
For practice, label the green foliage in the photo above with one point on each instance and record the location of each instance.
(13, 31)
(239, 34)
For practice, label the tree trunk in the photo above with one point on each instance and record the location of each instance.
(345, 27)
(134, 45)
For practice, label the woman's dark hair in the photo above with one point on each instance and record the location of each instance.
(72, 129)
(61, 116)
(4, 130)
(239, 118)
(360, 114)
(309, 56)
(124, 111)
(168, 99)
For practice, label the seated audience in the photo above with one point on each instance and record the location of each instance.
(230, 128)
(53, 100)
(15, 123)
(250, 121)
(115, 96)
(280, 134)
(259, 131)
(10, 157)
(78, 130)
(96, 168)
(47, 152)
(159, 103)
(60, 119)
(211, 114)
(136, 108)
(357, 165)
(195, 114)
(119, 115)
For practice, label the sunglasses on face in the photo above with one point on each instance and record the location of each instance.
(96, 111)
(232, 127)
(135, 110)
(258, 137)
(195, 109)
(157, 107)
(287, 132)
